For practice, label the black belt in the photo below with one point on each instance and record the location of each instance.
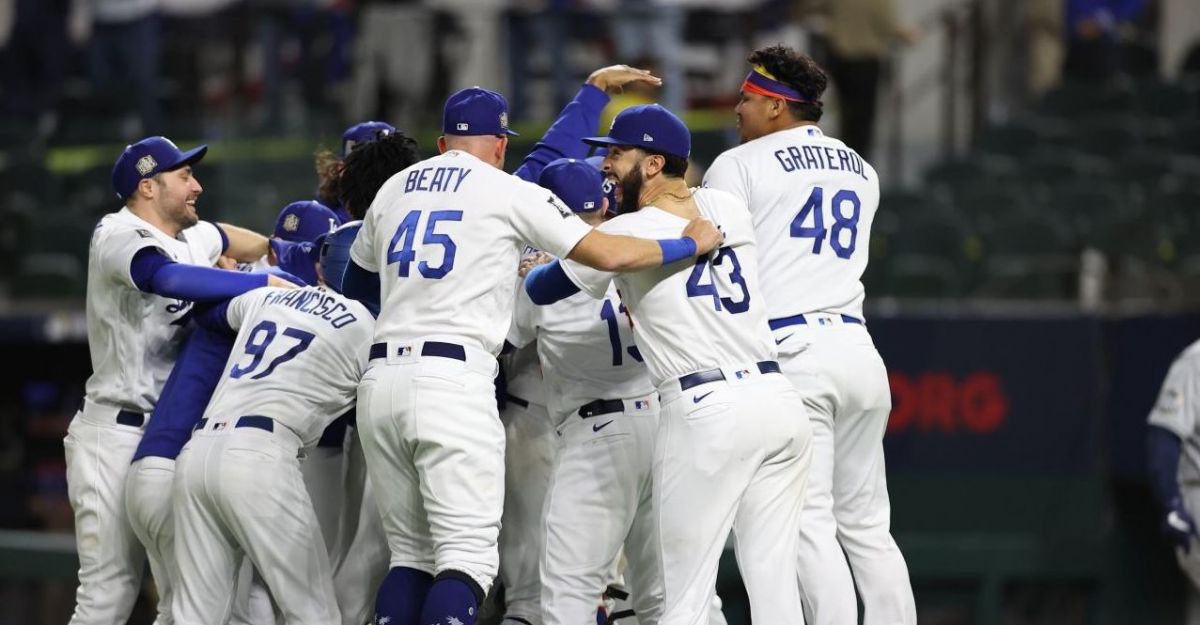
(520, 402)
(601, 406)
(430, 348)
(249, 421)
(715, 375)
(130, 418)
(796, 320)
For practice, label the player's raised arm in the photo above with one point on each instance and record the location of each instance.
(580, 117)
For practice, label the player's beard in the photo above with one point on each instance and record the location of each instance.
(184, 215)
(631, 190)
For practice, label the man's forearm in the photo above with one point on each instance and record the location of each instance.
(245, 245)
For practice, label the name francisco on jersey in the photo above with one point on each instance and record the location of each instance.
(314, 303)
(809, 157)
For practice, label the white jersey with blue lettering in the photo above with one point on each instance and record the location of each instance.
(696, 314)
(813, 201)
(586, 347)
(298, 358)
(445, 236)
(134, 336)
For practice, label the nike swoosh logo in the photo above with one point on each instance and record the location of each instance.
(597, 428)
(780, 341)
(699, 398)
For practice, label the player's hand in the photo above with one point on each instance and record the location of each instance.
(1179, 525)
(276, 281)
(705, 233)
(533, 260)
(225, 262)
(614, 78)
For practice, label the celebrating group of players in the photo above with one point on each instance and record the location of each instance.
(326, 436)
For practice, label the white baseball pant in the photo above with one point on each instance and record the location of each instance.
(838, 372)
(599, 500)
(322, 472)
(361, 559)
(730, 454)
(148, 494)
(431, 432)
(111, 560)
(239, 489)
(528, 457)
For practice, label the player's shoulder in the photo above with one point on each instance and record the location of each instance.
(639, 220)
(719, 204)
(1189, 357)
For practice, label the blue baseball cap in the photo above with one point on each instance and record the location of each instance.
(610, 185)
(335, 253)
(297, 258)
(150, 156)
(476, 111)
(365, 132)
(304, 221)
(575, 182)
(648, 126)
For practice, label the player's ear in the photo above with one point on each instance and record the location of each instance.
(146, 188)
(653, 164)
(441, 143)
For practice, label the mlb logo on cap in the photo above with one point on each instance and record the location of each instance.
(476, 111)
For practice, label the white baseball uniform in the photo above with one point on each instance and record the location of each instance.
(529, 447)
(813, 200)
(1178, 411)
(599, 499)
(729, 452)
(445, 236)
(134, 338)
(360, 559)
(294, 368)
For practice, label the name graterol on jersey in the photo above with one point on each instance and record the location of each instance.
(820, 157)
(314, 303)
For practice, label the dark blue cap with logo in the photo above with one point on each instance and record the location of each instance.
(476, 111)
(150, 156)
(577, 183)
(648, 126)
(365, 132)
(304, 221)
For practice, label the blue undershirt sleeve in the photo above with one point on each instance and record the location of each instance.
(1164, 450)
(362, 285)
(153, 272)
(578, 119)
(195, 376)
(548, 283)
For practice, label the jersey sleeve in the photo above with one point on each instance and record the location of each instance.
(362, 251)
(544, 221)
(117, 248)
(595, 282)
(728, 174)
(1178, 404)
(211, 238)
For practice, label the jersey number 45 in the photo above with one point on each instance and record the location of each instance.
(401, 251)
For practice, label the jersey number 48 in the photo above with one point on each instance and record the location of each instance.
(841, 221)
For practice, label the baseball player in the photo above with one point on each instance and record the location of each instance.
(147, 263)
(294, 368)
(441, 242)
(729, 451)
(329, 166)
(530, 439)
(605, 411)
(1174, 446)
(812, 201)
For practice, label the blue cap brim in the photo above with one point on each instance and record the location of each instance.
(604, 141)
(191, 157)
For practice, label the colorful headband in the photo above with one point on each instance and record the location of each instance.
(760, 81)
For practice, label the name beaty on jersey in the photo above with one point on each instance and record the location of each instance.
(818, 157)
